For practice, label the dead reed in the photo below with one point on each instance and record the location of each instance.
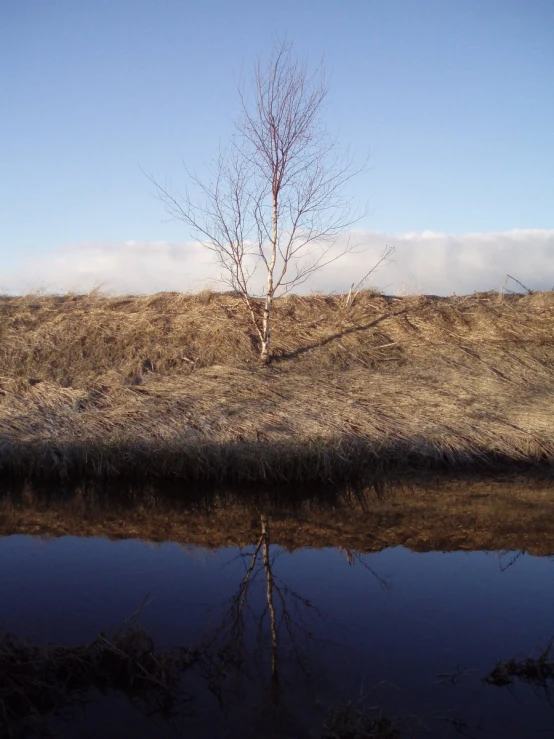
(169, 386)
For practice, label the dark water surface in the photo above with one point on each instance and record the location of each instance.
(288, 637)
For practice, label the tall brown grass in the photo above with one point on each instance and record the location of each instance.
(170, 385)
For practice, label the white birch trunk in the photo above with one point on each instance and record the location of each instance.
(265, 355)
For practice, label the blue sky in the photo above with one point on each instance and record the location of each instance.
(454, 98)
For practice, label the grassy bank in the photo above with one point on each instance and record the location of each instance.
(170, 386)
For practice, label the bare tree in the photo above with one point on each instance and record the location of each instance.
(275, 202)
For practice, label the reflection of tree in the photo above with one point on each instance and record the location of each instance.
(353, 556)
(271, 586)
(507, 558)
(281, 621)
(267, 625)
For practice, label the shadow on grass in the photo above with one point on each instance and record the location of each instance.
(279, 357)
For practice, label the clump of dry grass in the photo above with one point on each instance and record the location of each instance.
(169, 385)
(351, 721)
(537, 671)
(35, 681)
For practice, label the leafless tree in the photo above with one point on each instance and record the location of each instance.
(275, 200)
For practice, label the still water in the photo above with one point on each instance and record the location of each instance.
(287, 633)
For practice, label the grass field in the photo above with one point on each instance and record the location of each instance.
(170, 386)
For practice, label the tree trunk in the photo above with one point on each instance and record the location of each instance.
(265, 355)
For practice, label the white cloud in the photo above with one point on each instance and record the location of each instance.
(428, 262)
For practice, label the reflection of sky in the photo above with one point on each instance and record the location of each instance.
(440, 611)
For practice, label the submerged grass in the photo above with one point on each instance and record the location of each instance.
(36, 681)
(169, 386)
(536, 671)
(349, 722)
(359, 719)
(39, 681)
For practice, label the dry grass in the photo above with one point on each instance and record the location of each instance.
(350, 723)
(536, 671)
(357, 720)
(169, 385)
(35, 681)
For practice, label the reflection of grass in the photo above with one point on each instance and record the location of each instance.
(35, 681)
(441, 515)
(170, 386)
(537, 671)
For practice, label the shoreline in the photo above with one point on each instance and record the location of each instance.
(343, 462)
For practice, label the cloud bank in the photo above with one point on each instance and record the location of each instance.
(426, 262)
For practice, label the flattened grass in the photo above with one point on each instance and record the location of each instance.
(169, 386)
